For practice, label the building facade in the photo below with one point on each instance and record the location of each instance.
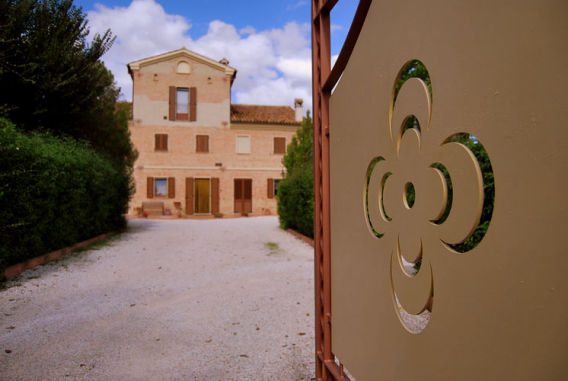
(198, 153)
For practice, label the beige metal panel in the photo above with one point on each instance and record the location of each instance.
(499, 311)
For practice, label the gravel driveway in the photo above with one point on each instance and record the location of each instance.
(223, 299)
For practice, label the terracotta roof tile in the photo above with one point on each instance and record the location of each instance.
(263, 114)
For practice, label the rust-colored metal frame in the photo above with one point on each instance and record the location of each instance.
(324, 78)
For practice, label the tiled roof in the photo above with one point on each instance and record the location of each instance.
(263, 114)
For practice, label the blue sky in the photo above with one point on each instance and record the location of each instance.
(267, 41)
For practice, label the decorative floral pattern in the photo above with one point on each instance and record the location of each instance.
(406, 195)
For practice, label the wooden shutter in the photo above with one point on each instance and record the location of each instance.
(192, 104)
(149, 187)
(171, 187)
(202, 143)
(270, 187)
(238, 195)
(215, 195)
(189, 195)
(161, 142)
(247, 195)
(280, 145)
(172, 104)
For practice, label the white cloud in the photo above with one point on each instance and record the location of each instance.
(247, 30)
(335, 27)
(273, 66)
(296, 5)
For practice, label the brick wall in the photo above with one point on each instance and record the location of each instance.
(150, 110)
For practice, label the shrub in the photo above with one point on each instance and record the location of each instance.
(296, 201)
(296, 190)
(55, 192)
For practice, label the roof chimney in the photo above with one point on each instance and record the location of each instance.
(298, 106)
(224, 61)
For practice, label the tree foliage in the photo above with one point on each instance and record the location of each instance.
(66, 161)
(296, 190)
(53, 79)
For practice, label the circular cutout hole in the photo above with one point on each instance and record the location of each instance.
(409, 195)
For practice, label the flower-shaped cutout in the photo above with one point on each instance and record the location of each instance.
(420, 189)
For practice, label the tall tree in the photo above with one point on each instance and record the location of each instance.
(53, 79)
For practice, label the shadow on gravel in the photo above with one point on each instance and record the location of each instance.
(139, 225)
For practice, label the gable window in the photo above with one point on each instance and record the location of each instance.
(183, 103)
(202, 143)
(160, 142)
(280, 145)
(183, 68)
(243, 144)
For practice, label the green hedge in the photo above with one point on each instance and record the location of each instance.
(296, 201)
(54, 193)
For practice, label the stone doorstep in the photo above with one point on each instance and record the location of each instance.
(13, 271)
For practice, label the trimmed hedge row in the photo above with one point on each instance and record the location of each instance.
(296, 201)
(54, 193)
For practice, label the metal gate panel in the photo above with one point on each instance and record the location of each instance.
(495, 74)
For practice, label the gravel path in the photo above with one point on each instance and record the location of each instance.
(223, 299)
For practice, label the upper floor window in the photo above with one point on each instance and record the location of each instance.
(160, 142)
(202, 143)
(243, 144)
(183, 103)
(280, 145)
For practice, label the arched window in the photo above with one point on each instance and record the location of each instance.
(183, 67)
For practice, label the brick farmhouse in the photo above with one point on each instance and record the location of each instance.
(198, 153)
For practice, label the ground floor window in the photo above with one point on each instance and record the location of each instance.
(272, 188)
(160, 187)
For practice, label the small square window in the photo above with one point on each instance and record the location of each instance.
(280, 145)
(202, 143)
(161, 142)
(160, 187)
(243, 144)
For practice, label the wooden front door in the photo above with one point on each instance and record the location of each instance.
(202, 193)
(243, 195)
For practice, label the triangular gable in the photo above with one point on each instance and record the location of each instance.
(183, 52)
